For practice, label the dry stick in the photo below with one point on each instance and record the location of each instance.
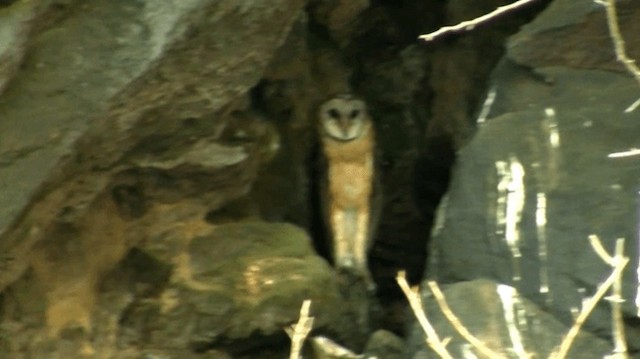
(619, 340)
(300, 330)
(621, 55)
(413, 296)
(618, 41)
(457, 324)
(470, 24)
(582, 317)
(630, 152)
(596, 244)
(618, 44)
(620, 343)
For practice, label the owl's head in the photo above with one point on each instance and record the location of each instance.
(343, 117)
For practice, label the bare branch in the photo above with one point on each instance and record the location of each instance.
(616, 300)
(470, 24)
(457, 324)
(633, 106)
(618, 41)
(596, 244)
(300, 330)
(561, 353)
(413, 296)
(629, 153)
(618, 44)
(620, 343)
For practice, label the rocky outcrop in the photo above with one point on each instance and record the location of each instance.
(158, 176)
(117, 117)
(546, 170)
(95, 98)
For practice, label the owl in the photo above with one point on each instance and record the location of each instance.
(348, 143)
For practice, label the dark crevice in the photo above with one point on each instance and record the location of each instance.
(416, 154)
(254, 343)
(318, 231)
(146, 277)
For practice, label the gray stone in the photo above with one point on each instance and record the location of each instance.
(560, 126)
(574, 33)
(486, 315)
(586, 192)
(384, 345)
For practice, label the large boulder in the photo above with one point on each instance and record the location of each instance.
(548, 169)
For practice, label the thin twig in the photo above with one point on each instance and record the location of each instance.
(470, 24)
(300, 330)
(630, 152)
(616, 300)
(632, 107)
(561, 353)
(618, 45)
(618, 40)
(413, 296)
(620, 344)
(457, 324)
(596, 244)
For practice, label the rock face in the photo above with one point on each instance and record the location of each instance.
(158, 188)
(119, 121)
(492, 313)
(112, 96)
(547, 170)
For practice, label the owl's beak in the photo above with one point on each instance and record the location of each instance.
(344, 125)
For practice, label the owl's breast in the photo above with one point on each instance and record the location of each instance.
(350, 183)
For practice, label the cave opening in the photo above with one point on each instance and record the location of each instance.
(424, 99)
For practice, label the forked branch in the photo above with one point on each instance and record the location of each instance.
(413, 296)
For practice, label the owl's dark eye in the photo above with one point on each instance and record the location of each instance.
(334, 114)
(354, 114)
